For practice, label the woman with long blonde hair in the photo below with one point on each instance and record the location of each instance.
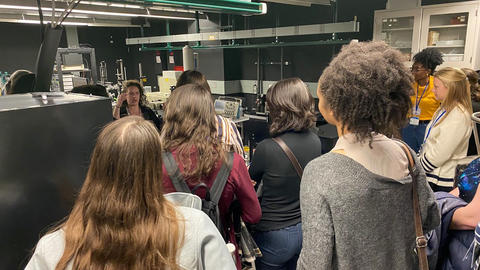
(121, 220)
(446, 137)
(189, 135)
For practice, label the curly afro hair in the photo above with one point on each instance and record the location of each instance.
(429, 58)
(367, 87)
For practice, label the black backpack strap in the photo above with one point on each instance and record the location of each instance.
(219, 184)
(174, 173)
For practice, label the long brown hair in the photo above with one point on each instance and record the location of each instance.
(190, 127)
(458, 89)
(121, 219)
(193, 76)
(291, 106)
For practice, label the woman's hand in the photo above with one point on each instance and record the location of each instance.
(121, 98)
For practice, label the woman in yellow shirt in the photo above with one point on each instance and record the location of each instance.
(424, 103)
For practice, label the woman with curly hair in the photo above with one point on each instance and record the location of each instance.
(446, 138)
(132, 101)
(356, 201)
(121, 220)
(189, 135)
(279, 232)
(423, 99)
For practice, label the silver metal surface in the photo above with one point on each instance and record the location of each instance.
(313, 29)
(65, 51)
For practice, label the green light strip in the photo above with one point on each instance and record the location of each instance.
(232, 5)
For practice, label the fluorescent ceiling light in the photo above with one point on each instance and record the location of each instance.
(129, 14)
(92, 12)
(94, 3)
(123, 6)
(64, 23)
(18, 7)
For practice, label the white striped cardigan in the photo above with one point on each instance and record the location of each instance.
(445, 146)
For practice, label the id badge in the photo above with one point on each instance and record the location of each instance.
(414, 121)
(416, 111)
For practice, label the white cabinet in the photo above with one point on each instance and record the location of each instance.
(451, 28)
(399, 29)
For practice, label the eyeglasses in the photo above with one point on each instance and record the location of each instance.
(416, 69)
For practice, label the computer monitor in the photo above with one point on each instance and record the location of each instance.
(46, 58)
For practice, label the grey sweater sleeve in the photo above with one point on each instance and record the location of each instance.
(317, 225)
(428, 205)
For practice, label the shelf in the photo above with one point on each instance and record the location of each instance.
(73, 70)
(448, 26)
(397, 29)
(447, 46)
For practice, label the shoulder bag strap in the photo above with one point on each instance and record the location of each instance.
(420, 240)
(216, 189)
(290, 155)
(174, 173)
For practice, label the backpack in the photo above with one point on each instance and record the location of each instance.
(212, 195)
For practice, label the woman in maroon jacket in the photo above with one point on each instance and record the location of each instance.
(189, 133)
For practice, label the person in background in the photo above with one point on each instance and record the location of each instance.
(189, 135)
(423, 99)
(356, 201)
(20, 82)
(472, 76)
(121, 220)
(226, 129)
(447, 135)
(89, 89)
(279, 232)
(132, 101)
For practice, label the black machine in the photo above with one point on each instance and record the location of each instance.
(45, 144)
(46, 57)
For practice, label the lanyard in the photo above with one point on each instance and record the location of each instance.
(417, 100)
(434, 122)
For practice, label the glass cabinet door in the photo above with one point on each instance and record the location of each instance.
(451, 31)
(398, 29)
(398, 33)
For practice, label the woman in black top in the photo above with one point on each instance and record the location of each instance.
(132, 102)
(279, 232)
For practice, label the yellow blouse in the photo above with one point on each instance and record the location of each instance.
(428, 103)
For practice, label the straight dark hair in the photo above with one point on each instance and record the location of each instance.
(291, 106)
(193, 76)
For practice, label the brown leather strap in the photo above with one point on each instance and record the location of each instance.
(290, 155)
(420, 240)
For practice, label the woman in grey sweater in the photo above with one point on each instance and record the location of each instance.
(356, 201)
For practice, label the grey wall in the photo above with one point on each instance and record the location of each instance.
(306, 62)
(19, 44)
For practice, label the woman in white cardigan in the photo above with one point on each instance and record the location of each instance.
(446, 137)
